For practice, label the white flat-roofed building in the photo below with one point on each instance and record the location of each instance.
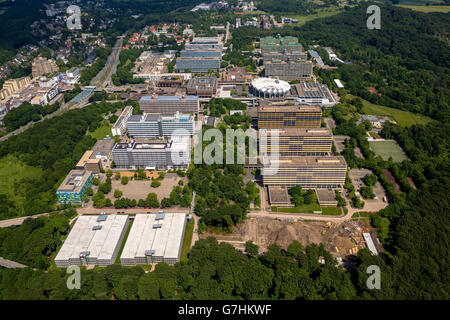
(153, 240)
(338, 83)
(120, 126)
(149, 126)
(93, 240)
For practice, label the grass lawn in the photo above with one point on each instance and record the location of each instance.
(12, 170)
(388, 148)
(310, 208)
(188, 233)
(403, 118)
(331, 211)
(302, 19)
(123, 242)
(101, 132)
(427, 9)
(306, 208)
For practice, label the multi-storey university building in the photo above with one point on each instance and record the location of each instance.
(296, 141)
(73, 188)
(197, 64)
(169, 104)
(277, 117)
(291, 70)
(41, 66)
(11, 86)
(157, 154)
(200, 56)
(120, 126)
(203, 87)
(309, 172)
(313, 93)
(149, 126)
(280, 44)
(89, 162)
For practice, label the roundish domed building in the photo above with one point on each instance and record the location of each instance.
(269, 88)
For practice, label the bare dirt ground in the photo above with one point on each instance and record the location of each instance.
(264, 231)
(392, 180)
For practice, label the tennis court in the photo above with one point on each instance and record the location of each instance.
(388, 148)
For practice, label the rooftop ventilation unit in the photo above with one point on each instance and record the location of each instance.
(84, 254)
(156, 226)
(160, 216)
(102, 217)
(96, 227)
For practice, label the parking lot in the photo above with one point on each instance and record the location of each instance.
(139, 189)
(375, 204)
(339, 142)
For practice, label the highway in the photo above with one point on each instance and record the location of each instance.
(109, 69)
(103, 78)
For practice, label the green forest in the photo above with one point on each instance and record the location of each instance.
(406, 61)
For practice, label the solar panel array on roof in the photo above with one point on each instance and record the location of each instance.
(168, 98)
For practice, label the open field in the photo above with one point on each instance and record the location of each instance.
(12, 171)
(426, 9)
(101, 132)
(403, 118)
(388, 148)
(321, 14)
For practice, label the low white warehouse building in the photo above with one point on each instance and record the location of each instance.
(94, 240)
(154, 238)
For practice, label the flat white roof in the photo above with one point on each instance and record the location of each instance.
(166, 241)
(101, 243)
(338, 83)
(370, 244)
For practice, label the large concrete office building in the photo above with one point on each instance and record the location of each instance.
(93, 240)
(120, 126)
(313, 93)
(280, 44)
(199, 64)
(169, 104)
(291, 70)
(148, 126)
(204, 87)
(73, 188)
(277, 117)
(200, 56)
(154, 238)
(309, 172)
(297, 141)
(156, 154)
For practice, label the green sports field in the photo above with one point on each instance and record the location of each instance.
(388, 148)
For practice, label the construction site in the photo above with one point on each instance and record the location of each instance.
(342, 239)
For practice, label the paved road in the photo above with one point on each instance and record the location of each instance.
(103, 78)
(18, 221)
(128, 211)
(58, 112)
(11, 264)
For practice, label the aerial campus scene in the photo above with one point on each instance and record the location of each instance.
(250, 150)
